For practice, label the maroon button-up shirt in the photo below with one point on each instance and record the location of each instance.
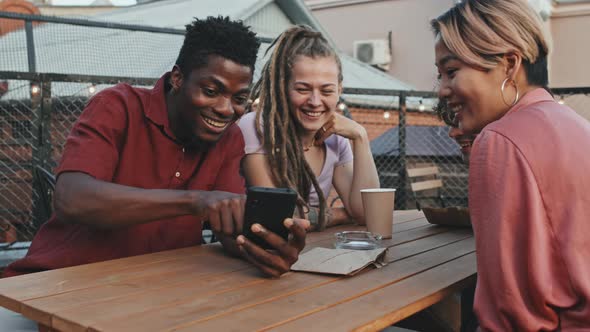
(123, 136)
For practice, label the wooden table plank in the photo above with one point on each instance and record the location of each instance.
(406, 215)
(262, 311)
(410, 224)
(127, 306)
(158, 312)
(408, 249)
(411, 219)
(202, 288)
(329, 235)
(194, 268)
(41, 309)
(391, 304)
(397, 237)
(51, 282)
(44, 283)
(66, 281)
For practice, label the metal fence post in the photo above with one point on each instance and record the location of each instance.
(402, 193)
(46, 110)
(41, 149)
(30, 46)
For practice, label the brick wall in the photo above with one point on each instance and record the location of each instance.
(376, 124)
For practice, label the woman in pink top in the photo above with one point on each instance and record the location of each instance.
(528, 181)
(296, 138)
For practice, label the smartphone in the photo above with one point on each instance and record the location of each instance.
(268, 207)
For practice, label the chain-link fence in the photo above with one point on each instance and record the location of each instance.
(576, 98)
(34, 124)
(17, 135)
(37, 112)
(41, 109)
(406, 134)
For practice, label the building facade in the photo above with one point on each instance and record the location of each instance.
(404, 25)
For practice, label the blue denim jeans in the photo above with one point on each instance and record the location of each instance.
(14, 322)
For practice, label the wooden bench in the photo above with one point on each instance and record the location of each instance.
(426, 184)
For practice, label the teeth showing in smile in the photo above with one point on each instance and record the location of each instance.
(456, 108)
(214, 123)
(313, 114)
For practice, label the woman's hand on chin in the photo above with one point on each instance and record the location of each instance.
(340, 125)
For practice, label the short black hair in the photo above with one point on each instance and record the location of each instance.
(220, 36)
(536, 72)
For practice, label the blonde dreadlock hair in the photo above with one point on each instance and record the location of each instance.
(280, 137)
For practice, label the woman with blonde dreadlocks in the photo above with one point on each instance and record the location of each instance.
(296, 138)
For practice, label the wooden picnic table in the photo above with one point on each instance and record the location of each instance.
(200, 288)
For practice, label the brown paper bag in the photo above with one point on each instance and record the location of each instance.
(338, 261)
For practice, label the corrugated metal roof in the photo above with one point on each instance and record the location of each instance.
(360, 75)
(268, 21)
(101, 3)
(70, 49)
(177, 13)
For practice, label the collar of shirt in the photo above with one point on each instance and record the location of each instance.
(532, 97)
(156, 110)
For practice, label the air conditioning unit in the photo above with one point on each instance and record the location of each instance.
(373, 51)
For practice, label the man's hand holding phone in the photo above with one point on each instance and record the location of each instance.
(273, 239)
(284, 253)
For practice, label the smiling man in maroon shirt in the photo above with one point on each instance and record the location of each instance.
(142, 169)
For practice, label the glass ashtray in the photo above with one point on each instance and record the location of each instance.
(357, 240)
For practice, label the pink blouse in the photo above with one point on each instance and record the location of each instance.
(529, 199)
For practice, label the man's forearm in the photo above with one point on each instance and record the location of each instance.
(80, 198)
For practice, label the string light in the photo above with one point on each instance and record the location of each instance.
(92, 89)
(421, 108)
(561, 101)
(341, 106)
(386, 115)
(35, 89)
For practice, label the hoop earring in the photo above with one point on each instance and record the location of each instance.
(513, 82)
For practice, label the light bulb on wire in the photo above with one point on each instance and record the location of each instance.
(35, 89)
(421, 107)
